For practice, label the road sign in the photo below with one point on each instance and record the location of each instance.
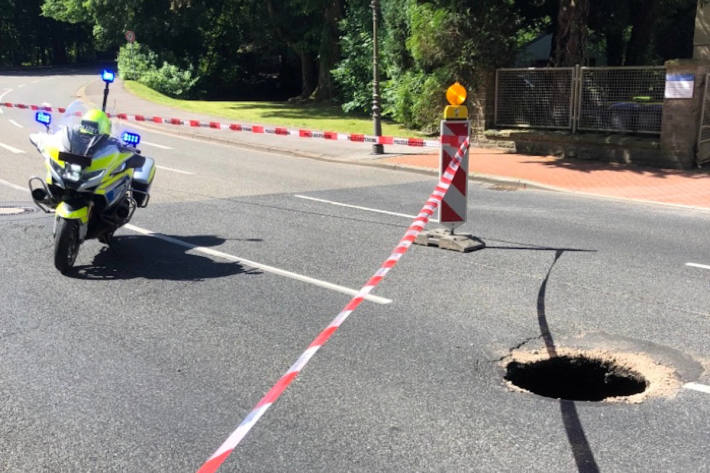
(130, 36)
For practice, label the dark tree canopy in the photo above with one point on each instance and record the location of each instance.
(322, 49)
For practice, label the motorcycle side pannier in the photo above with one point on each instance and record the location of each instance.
(142, 179)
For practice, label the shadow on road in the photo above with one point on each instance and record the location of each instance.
(139, 256)
(583, 455)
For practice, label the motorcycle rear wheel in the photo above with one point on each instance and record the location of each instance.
(66, 244)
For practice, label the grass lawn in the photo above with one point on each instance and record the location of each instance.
(309, 116)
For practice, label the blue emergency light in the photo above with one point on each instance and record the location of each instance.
(107, 76)
(131, 139)
(44, 118)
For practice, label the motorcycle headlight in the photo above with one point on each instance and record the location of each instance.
(72, 172)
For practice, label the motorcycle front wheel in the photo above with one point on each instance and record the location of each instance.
(66, 244)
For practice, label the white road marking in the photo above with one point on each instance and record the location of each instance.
(155, 145)
(176, 170)
(696, 265)
(3, 95)
(703, 388)
(11, 149)
(21, 86)
(368, 209)
(10, 184)
(263, 267)
(16, 124)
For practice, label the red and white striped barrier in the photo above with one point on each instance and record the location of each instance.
(447, 177)
(259, 129)
(452, 211)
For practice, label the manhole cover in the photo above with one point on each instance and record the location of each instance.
(11, 211)
(576, 378)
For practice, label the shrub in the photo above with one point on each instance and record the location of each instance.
(135, 60)
(138, 62)
(170, 80)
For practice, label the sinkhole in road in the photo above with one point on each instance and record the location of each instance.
(575, 378)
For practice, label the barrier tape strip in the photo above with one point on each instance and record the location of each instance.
(259, 129)
(221, 454)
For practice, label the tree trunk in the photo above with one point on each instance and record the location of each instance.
(307, 75)
(329, 51)
(644, 20)
(571, 35)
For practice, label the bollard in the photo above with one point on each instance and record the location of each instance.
(455, 128)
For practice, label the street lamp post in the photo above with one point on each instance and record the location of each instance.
(376, 148)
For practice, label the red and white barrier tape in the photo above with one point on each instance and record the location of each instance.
(260, 129)
(221, 454)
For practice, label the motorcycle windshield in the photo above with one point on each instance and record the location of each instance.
(69, 135)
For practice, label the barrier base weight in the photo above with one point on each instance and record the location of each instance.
(444, 239)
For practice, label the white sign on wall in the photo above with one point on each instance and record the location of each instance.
(680, 86)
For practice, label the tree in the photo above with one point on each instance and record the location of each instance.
(571, 33)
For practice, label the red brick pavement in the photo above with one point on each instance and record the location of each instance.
(690, 188)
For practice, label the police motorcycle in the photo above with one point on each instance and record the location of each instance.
(96, 177)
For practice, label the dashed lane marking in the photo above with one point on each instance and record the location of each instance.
(696, 265)
(16, 124)
(155, 145)
(703, 388)
(368, 209)
(10, 184)
(176, 170)
(11, 149)
(253, 264)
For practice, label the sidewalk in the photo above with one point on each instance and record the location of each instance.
(686, 188)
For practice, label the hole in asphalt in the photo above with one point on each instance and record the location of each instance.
(576, 378)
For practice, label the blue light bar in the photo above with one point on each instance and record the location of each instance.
(44, 118)
(107, 76)
(131, 139)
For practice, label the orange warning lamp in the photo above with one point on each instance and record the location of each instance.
(456, 96)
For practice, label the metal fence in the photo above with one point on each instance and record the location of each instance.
(624, 99)
(610, 99)
(534, 97)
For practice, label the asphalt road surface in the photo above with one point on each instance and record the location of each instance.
(148, 356)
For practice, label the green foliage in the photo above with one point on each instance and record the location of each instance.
(275, 49)
(138, 62)
(135, 60)
(170, 80)
(417, 99)
(353, 74)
